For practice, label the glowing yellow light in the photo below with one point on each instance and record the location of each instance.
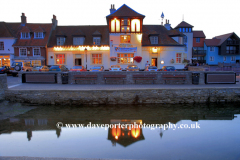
(82, 48)
(137, 23)
(154, 50)
(139, 37)
(4, 59)
(162, 62)
(57, 59)
(116, 137)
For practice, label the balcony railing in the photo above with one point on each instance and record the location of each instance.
(199, 61)
(232, 42)
(232, 52)
(199, 52)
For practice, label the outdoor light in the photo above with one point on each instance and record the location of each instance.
(154, 50)
(162, 62)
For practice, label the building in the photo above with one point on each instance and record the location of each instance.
(223, 49)
(7, 39)
(198, 52)
(118, 43)
(31, 41)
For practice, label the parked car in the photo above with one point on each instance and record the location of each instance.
(44, 69)
(96, 69)
(168, 68)
(63, 68)
(36, 68)
(54, 68)
(115, 68)
(20, 66)
(132, 68)
(4, 69)
(78, 69)
(151, 68)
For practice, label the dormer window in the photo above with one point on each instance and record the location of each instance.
(154, 39)
(60, 41)
(38, 35)
(96, 40)
(78, 41)
(25, 35)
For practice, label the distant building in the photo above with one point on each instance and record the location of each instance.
(223, 48)
(198, 52)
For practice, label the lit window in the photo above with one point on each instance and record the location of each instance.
(178, 57)
(211, 58)
(96, 40)
(233, 58)
(180, 29)
(125, 29)
(78, 40)
(1, 45)
(60, 59)
(36, 63)
(115, 25)
(60, 41)
(212, 49)
(125, 58)
(22, 52)
(36, 52)
(125, 39)
(197, 40)
(190, 29)
(183, 30)
(125, 22)
(154, 39)
(38, 34)
(25, 35)
(96, 58)
(186, 29)
(135, 25)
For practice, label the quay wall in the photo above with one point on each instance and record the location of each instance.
(146, 96)
(3, 85)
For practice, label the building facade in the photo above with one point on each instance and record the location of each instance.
(198, 52)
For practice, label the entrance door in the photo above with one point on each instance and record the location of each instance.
(154, 62)
(78, 62)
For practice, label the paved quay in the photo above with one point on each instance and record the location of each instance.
(14, 85)
(51, 158)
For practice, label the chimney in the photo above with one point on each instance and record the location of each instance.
(23, 19)
(112, 10)
(54, 22)
(167, 25)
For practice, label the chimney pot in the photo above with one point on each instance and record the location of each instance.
(113, 6)
(23, 19)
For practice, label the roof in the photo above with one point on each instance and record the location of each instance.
(198, 34)
(72, 31)
(17, 28)
(175, 33)
(183, 24)
(224, 37)
(4, 31)
(212, 42)
(218, 40)
(125, 11)
(164, 38)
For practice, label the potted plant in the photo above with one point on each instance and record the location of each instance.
(113, 58)
(172, 61)
(185, 61)
(137, 59)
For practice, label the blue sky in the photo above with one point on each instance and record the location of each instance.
(214, 17)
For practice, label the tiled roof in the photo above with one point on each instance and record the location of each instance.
(174, 33)
(212, 42)
(25, 29)
(183, 24)
(163, 36)
(4, 31)
(16, 29)
(88, 31)
(125, 11)
(39, 29)
(224, 37)
(198, 34)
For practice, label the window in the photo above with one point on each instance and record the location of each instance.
(60, 41)
(96, 58)
(212, 49)
(25, 35)
(125, 22)
(154, 40)
(125, 58)
(178, 57)
(211, 58)
(183, 30)
(190, 29)
(36, 52)
(36, 63)
(197, 40)
(233, 58)
(224, 58)
(78, 40)
(180, 40)
(1, 45)
(135, 25)
(38, 34)
(96, 40)
(115, 25)
(60, 59)
(186, 29)
(23, 52)
(125, 39)
(231, 49)
(180, 29)
(185, 39)
(125, 29)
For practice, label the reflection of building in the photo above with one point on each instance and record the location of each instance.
(125, 135)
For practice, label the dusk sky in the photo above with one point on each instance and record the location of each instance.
(214, 17)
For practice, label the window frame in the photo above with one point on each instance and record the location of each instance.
(95, 42)
(36, 35)
(92, 58)
(177, 59)
(197, 40)
(80, 39)
(55, 58)
(224, 58)
(59, 40)
(211, 58)
(125, 59)
(39, 52)
(154, 39)
(212, 49)
(233, 58)
(25, 35)
(2, 46)
(20, 55)
(128, 37)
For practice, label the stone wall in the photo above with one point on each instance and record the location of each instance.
(3, 85)
(168, 96)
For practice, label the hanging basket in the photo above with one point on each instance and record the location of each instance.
(185, 61)
(138, 59)
(172, 60)
(113, 58)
